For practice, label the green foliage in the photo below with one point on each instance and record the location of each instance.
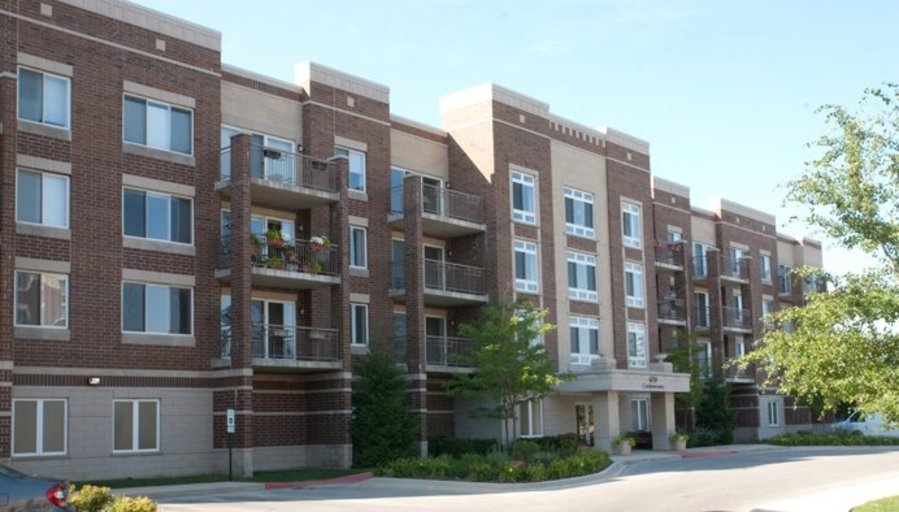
(839, 437)
(484, 468)
(90, 498)
(129, 504)
(510, 367)
(564, 445)
(382, 427)
(713, 412)
(890, 504)
(524, 449)
(458, 446)
(626, 439)
(701, 436)
(843, 348)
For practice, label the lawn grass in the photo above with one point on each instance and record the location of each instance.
(288, 475)
(890, 504)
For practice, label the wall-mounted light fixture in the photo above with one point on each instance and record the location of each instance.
(94, 381)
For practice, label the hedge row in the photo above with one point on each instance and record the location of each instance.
(836, 438)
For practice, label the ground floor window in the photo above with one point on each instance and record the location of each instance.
(39, 427)
(530, 416)
(639, 414)
(773, 414)
(136, 425)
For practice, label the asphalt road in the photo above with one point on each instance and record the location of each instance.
(796, 479)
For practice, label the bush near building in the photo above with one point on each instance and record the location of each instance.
(836, 438)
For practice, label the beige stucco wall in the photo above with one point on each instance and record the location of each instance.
(811, 256)
(703, 231)
(418, 154)
(257, 111)
(785, 254)
(576, 168)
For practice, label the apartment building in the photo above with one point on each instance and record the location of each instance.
(182, 238)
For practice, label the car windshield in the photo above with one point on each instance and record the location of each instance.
(6, 470)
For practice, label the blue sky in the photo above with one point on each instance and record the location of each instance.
(724, 91)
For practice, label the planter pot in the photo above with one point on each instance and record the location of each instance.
(624, 449)
(679, 445)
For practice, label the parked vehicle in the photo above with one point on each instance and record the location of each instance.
(870, 425)
(22, 492)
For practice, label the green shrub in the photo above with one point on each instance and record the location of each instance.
(128, 504)
(90, 498)
(702, 436)
(835, 438)
(511, 473)
(459, 446)
(536, 473)
(565, 444)
(481, 472)
(524, 449)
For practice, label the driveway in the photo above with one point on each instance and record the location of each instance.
(792, 479)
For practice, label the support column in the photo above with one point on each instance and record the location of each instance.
(416, 344)
(662, 413)
(606, 419)
(716, 313)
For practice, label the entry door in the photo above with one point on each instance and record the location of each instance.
(435, 332)
(585, 423)
(431, 195)
(435, 270)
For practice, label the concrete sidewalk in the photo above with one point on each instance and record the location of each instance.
(705, 451)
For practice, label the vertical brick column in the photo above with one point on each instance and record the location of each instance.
(7, 254)
(416, 351)
(716, 317)
(340, 294)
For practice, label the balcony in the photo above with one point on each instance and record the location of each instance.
(670, 255)
(738, 375)
(445, 284)
(288, 347)
(445, 213)
(294, 265)
(736, 269)
(737, 319)
(671, 311)
(446, 352)
(284, 180)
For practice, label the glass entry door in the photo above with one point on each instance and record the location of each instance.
(435, 270)
(585, 424)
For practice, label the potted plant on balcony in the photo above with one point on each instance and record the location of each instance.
(274, 238)
(320, 243)
(624, 443)
(678, 441)
(275, 262)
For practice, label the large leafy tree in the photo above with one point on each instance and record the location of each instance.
(843, 346)
(511, 365)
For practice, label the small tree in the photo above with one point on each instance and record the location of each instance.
(511, 365)
(382, 427)
(713, 411)
(682, 356)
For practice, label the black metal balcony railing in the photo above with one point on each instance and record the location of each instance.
(701, 317)
(736, 268)
(285, 168)
(737, 318)
(670, 253)
(453, 277)
(442, 202)
(671, 309)
(446, 351)
(292, 256)
(284, 342)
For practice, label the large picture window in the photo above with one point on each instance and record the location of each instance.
(158, 125)
(39, 427)
(157, 216)
(155, 308)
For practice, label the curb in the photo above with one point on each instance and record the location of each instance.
(348, 479)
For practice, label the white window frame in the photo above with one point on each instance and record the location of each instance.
(168, 224)
(703, 250)
(638, 299)
(587, 262)
(135, 425)
(705, 371)
(766, 267)
(739, 346)
(146, 285)
(639, 414)
(773, 413)
(703, 311)
(39, 426)
(527, 284)
(355, 307)
(168, 107)
(527, 181)
(583, 326)
(67, 278)
(340, 150)
(528, 407)
(573, 228)
(632, 216)
(44, 75)
(639, 331)
(68, 207)
(353, 248)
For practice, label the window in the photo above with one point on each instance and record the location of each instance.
(739, 346)
(767, 308)
(157, 309)
(766, 267)
(526, 279)
(784, 280)
(584, 340)
(44, 98)
(631, 225)
(39, 427)
(636, 345)
(42, 299)
(530, 415)
(582, 277)
(700, 264)
(135, 425)
(157, 216)
(579, 213)
(704, 359)
(633, 284)
(524, 203)
(356, 165)
(673, 237)
(42, 198)
(702, 309)
(359, 323)
(639, 414)
(358, 247)
(735, 268)
(773, 413)
(158, 125)
(809, 285)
